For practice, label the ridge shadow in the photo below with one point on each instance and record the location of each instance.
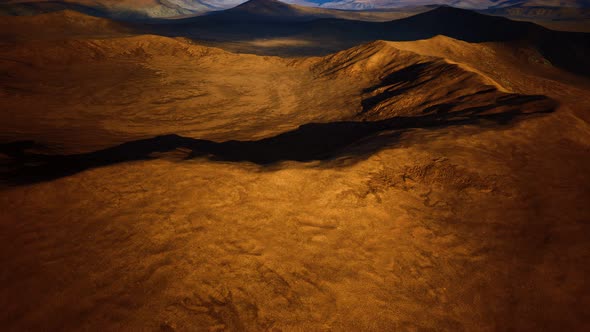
(309, 142)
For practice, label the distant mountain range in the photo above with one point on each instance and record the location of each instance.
(471, 4)
(134, 9)
(271, 19)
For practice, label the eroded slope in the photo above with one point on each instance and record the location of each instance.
(425, 195)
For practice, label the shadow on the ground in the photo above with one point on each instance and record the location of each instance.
(310, 142)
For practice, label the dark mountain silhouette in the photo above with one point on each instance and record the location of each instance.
(269, 11)
(253, 9)
(463, 24)
(567, 50)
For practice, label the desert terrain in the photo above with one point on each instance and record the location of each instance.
(295, 174)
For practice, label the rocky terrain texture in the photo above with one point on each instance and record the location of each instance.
(153, 182)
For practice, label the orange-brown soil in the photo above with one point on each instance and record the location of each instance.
(408, 186)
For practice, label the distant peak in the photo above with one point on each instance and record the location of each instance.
(265, 8)
(444, 9)
(262, 4)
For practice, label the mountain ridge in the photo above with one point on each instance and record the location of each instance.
(146, 9)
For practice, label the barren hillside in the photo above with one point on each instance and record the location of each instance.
(155, 183)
